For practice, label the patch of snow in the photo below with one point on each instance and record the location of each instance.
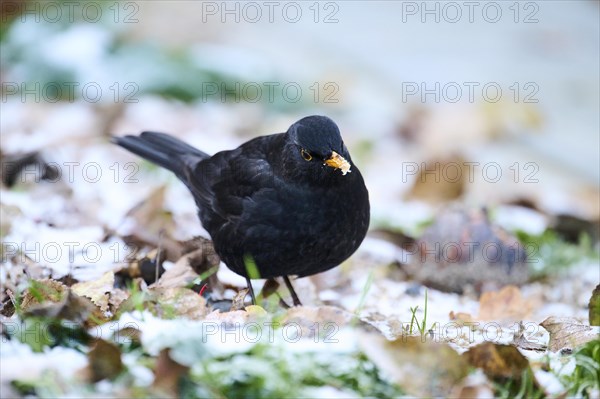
(18, 361)
(514, 218)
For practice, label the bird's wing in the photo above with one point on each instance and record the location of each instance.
(225, 183)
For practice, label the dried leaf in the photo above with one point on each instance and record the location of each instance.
(104, 361)
(71, 307)
(568, 332)
(422, 368)
(168, 374)
(97, 290)
(503, 364)
(42, 291)
(180, 302)
(520, 341)
(116, 297)
(505, 305)
(238, 300)
(180, 275)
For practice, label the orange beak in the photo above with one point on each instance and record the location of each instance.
(336, 161)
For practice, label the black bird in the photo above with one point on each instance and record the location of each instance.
(284, 204)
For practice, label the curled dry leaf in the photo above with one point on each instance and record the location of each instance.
(238, 300)
(568, 332)
(421, 367)
(97, 290)
(520, 341)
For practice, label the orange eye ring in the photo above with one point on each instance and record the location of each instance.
(305, 155)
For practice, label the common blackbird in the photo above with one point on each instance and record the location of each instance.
(284, 204)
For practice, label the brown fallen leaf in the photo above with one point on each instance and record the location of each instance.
(97, 290)
(504, 365)
(71, 307)
(520, 341)
(180, 301)
(167, 374)
(568, 332)
(238, 300)
(179, 275)
(115, 298)
(104, 361)
(43, 291)
(59, 301)
(504, 305)
(421, 367)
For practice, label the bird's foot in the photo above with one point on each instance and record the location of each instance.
(295, 298)
(251, 290)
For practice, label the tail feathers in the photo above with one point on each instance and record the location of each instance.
(163, 150)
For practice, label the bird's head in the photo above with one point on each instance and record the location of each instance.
(315, 149)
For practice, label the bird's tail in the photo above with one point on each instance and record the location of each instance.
(163, 150)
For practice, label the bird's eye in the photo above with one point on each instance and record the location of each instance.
(305, 155)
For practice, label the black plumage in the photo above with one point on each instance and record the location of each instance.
(292, 202)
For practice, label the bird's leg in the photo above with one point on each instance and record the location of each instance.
(251, 290)
(288, 284)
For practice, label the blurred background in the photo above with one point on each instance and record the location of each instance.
(472, 122)
(488, 104)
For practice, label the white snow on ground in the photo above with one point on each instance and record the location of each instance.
(18, 361)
